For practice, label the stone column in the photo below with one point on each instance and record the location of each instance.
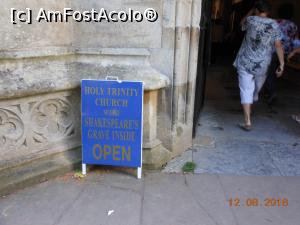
(150, 120)
(182, 40)
(193, 59)
(188, 14)
(154, 154)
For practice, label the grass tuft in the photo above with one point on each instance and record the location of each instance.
(189, 167)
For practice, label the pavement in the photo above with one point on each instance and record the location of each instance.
(118, 198)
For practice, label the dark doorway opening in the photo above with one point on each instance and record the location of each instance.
(220, 40)
(220, 146)
(204, 55)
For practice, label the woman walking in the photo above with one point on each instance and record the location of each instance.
(254, 56)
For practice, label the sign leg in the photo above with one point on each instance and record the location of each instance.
(139, 172)
(83, 169)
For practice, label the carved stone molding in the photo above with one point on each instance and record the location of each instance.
(11, 130)
(52, 120)
(35, 123)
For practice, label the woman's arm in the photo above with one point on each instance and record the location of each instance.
(280, 54)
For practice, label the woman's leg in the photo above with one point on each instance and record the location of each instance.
(271, 81)
(259, 82)
(247, 114)
(247, 87)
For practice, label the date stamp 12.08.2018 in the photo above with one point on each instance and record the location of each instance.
(257, 202)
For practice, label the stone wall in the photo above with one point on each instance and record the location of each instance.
(37, 35)
(41, 66)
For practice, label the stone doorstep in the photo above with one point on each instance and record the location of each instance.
(204, 141)
(38, 170)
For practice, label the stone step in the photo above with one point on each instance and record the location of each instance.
(38, 170)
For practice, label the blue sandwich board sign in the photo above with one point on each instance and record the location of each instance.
(112, 122)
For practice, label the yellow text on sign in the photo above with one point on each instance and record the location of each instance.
(115, 152)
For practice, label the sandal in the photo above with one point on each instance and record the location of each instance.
(296, 118)
(245, 127)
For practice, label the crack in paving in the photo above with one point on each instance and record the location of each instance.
(224, 192)
(5, 210)
(121, 188)
(70, 206)
(142, 201)
(199, 204)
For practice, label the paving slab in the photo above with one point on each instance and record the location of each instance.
(43, 204)
(104, 205)
(235, 157)
(209, 193)
(285, 157)
(168, 201)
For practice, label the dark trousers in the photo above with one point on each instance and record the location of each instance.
(271, 81)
